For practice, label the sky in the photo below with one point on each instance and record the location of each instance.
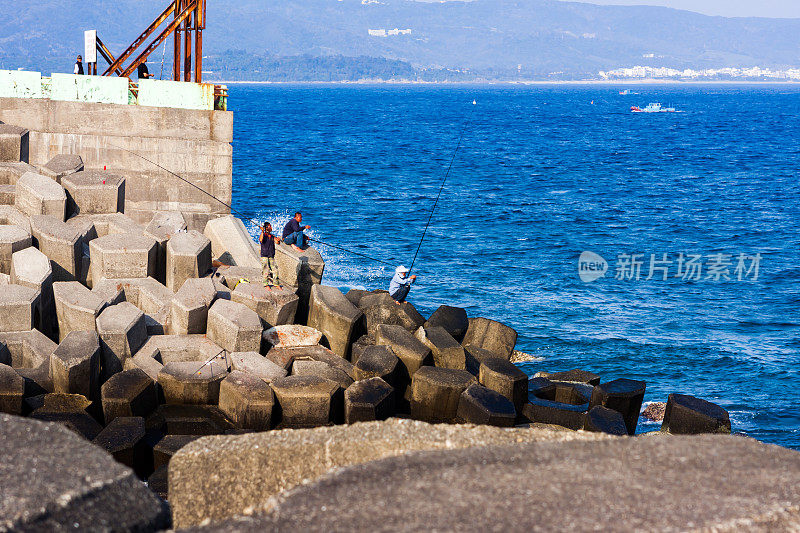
(725, 8)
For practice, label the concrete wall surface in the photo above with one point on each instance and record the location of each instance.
(194, 144)
(164, 93)
(98, 89)
(20, 84)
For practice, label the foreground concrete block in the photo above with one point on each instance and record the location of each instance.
(123, 331)
(12, 390)
(121, 256)
(188, 256)
(94, 192)
(333, 315)
(491, 336)
(39, 195)
(687, 415)
(479, 405)
(256, 365)
(128, 393)
(623, 395)
(247, 401)
(231, 242)
(557, 403)
(453, 319)
(18, 308)
(380, 308)
(75, 365)
(277, 461)
(605, 420)
(447, 352)
(368, 399)
(61, 243)
(234, 326)
(77, 307)
(377, 362)
(505, 378)
(308, 401)
(69, 483)
(161, 228)
(12, 239)
(437, 391)
(124, 439)
(276, 307)
(61, 166)
(188, 383)
(189, 308)
(13, 144)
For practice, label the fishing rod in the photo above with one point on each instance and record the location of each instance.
(211, 361)
(241, 214)
(441, 187)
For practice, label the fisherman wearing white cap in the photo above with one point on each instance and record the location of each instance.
(400, 284)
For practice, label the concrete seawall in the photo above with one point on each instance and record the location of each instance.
(194, 144)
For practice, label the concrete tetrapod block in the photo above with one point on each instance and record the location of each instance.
(12, 239)
(94, 192)
(39, 195)
(13, 144)
(361, 344)
(377, 362)
(687, 415)
(178, 419)
(124, 439)
(479, 405)
(12, 390)
(188, 256)
(277, 461)
(623, 395)
(10, 173)
(128, 393)
(412, 353)
(285, 357)
(122, 331)
(447, 352)
(276, 307)
(255, 364)
(145, 293)
(380, 308)
(61, 243)
(368, 399)
(162, 349)
(8, 194)
(299, 269)
(308, 401)
(105, 224)
(505, 378)
(70, 416)
(31, 268)
(575, 375)
(28, 349)
(18, 308)
(492, 336)
(605, 420)
(61, 481)
(161, 228)
(75, 365)
(189, 307)
(309, 367)
(186, 383)
(234, 327)
(122, 256)
(77, 307)
(435, 393)
(292, 336)
(11, 216)
(231, 242)
(62, 165)
(333, 315)
(453, 319)
(558, 403)
(169, 446)
(247, 401)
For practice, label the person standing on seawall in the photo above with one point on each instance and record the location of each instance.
(400, 284)
(142, 72)
(269, 271)
(78, 66)
(293, 232)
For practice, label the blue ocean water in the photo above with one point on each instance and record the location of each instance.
(543, 174)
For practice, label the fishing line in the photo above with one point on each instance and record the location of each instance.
(242, 215)
(441, 187)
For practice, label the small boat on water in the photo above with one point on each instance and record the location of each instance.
(626, 92)
(652, 108)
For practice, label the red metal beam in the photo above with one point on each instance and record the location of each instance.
(139, 40)
(107, 55)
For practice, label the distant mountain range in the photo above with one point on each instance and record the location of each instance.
(528, 39)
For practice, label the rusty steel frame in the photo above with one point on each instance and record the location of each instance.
(107, 55)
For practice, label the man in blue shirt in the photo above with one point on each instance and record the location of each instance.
(293, 232)
(400, 284)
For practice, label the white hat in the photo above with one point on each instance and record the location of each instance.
(401, 270)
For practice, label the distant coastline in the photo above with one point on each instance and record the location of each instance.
(502, 82)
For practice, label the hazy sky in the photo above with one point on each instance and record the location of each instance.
(726, 8)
